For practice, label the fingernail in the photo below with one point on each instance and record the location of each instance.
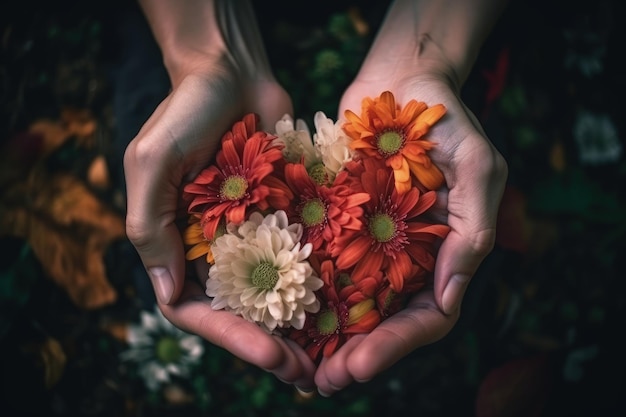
(306, 393)
(453, 294)
(322, 393)
(162, 282)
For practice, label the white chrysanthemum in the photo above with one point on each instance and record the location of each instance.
(262, 274)
(332, 143)
(161, 350)
(297, 141)
(597, 138)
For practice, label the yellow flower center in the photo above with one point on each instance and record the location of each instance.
(265, 276)
(390, 142)
(313, 212)
(167, 350)
(382, 227)
(327, 322)
(318, 174)
(233, 188)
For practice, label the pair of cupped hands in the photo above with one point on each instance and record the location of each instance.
(181, 138)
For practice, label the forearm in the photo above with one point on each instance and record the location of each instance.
(435, 35)
(194, 33)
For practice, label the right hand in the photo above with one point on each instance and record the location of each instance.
(174, 145)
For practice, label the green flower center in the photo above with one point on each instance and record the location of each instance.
(265, 276)
(390, 142)
(221, 229)
(382, 227)
(389, 299)
(313, 212)
(168, 350)
(233, 188)
(318, 174)
(343, 280)
(327, 322)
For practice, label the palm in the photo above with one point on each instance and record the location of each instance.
(475, 175)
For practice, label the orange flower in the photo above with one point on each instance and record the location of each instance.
(395, 134)
(243, 175)
(200, 245)
(393, 238)
(194, 237)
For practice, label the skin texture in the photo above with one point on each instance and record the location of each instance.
(219, 71)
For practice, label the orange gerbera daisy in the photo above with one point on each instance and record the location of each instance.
(395, 134)
(324, 211)
(344, 312)
(393, 238)
(194, 236)
(244, 175)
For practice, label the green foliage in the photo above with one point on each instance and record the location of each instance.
(329, 58)
(19, 274)
(575, 194)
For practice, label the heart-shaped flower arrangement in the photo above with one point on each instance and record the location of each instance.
(318, 238)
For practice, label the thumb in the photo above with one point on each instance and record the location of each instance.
(152, 199)
(457, 261)
(151, 228)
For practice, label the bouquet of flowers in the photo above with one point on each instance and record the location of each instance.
(321, 237)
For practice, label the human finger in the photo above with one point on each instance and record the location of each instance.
(474, 191)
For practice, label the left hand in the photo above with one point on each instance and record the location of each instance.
(475, 175)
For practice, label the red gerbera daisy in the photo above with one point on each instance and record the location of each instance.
(324, 211)
(345, 311)
(393, 238)
(243, 175)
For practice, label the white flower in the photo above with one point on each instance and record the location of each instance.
(332, 143)
(298, 142)
(161, 349)
(585, 52)
(262, 274)
(597, 138)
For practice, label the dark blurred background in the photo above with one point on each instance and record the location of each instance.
(540, 333)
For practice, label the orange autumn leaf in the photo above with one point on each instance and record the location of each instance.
(98, 173)
(69, 230)
(558, 160)
(20, 153)
(79, 122)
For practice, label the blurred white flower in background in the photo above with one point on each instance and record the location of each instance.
(597, 138)
(585, 52)
(161, 350)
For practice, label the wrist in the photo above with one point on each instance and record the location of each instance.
(420, 58)
(432, 38)
(196, 36)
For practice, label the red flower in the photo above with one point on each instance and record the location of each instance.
(324, 211)
(242, 176)
(345, 311)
